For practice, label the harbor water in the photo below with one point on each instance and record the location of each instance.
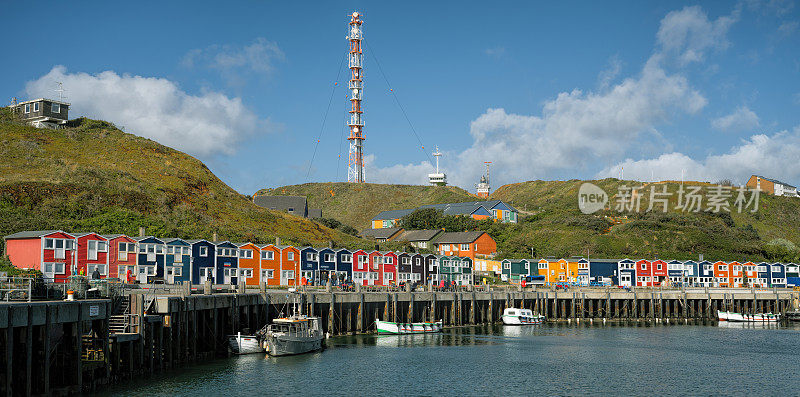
(548, 359)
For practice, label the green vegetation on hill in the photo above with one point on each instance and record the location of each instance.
(93, 177)
(355, 204)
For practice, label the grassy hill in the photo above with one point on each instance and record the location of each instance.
(356, 204)
(551, 223)
(92, 176)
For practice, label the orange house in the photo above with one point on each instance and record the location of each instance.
(466, 244)
(735, 274)
(555, 270)
(270, 265)
(721, 274)
(290, 265)
(749, 269)
(249, 263)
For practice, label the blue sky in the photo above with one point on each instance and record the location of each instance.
(555, 90)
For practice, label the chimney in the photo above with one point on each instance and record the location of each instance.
(214, 236)
(330, 243)
(141, 231)
(277, 241)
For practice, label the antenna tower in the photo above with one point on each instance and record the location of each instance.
(483, 188)
(355, 170)
(439, 178)
(60, 90)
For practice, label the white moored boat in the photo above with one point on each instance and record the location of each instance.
(748, 318)
(513, 316)
(386, 327)
(244, 344)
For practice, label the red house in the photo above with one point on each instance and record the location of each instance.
(375, 268)
(92, 254)
(50, 251)
(659, 272)
(121, 255)
(388, 272)
(361, 272)
(644, 273)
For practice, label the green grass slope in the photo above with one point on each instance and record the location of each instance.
(92, 176)
(355, 204)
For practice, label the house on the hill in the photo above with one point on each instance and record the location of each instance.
(422, 239)
(42, 113)
(490, 209)
(381, 235)
(466, 244)
(771, 186)
(295, 205)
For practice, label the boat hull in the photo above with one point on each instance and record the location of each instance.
(287, 345)
(387, 327)
(748, 318)
(244, 344)
(522, 320)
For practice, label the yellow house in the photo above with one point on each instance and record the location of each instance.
(555, 270)
(487, 266)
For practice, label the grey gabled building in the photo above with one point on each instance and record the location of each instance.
(42, 112)
(295, 205)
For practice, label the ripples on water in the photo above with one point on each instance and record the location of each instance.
(549, 359)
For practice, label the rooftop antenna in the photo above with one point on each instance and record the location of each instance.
(60, 90)
(438, 178)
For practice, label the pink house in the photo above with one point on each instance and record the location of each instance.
(50, 251)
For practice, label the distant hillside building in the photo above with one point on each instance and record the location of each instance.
(490, 209)
(295, 205)
(419, 238)
(381, 235)
(42, 113)
(466, 244)
(771, 186)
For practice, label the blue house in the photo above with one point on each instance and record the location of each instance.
(344, 264)
(675, 272)
(327, 265)
(792, 275)
(150, 259)
(603, 271)
(705, 274)
(309, 264)
(626, 272)
(690, 273)
(777, 275)
(764, 277)
(583, 271)
(177, 261)
(204, 262)
(227, 262)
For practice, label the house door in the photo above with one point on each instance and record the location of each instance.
(170, 275)
(49, 271)
(229, 274)
(206, 274)
(141, 274)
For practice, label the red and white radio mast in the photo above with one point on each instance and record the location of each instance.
(355, 171)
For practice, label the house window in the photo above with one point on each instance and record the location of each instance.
(418, 261)
(329, 258)
(658, 267)
(287, 274)
(27, 108)
(506, 266)
(406, 260)
(48, 243)
(246, 273)
(267, 274)
(246, 254)
(291, 210)
(55, 108)
(290, 256)
(203, 251)
(35, 107)
(388, 260)
(465, 247)
(776, 268)
(177, 271)
(267, 255)
(347, 258)
(310, 256)
(388, 276)
(422, 244)
(644, 266)
(445, 247)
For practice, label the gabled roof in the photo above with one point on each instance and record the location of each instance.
(170, 240)
(146, 237)
(33, 234)
(282, 203)
(391, 214)
(383, 233)
(418, 235)
(113, 236)
(459, 237)
(83, 234)
(43, 99)
(775, 181)
(198, 240)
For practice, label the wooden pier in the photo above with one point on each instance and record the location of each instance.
(60, 347)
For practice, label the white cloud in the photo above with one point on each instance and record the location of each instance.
(741, 119)
(495, 51)
(773, 155)
(155, 108)
(607, 76)
(687, 34)
(259, 56)
(408, 174)
(787, 28)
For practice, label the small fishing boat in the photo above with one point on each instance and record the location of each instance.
(748, 318)
(297, 334)
(513, 316)
(244, 344)
(387, 327)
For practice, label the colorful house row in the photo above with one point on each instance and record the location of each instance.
(652, 273)
(490, 209)
(474, 244)
(59, 255)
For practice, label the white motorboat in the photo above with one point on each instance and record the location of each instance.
(293, 335)
(244, 344)
(748, 318)
(514, 316)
